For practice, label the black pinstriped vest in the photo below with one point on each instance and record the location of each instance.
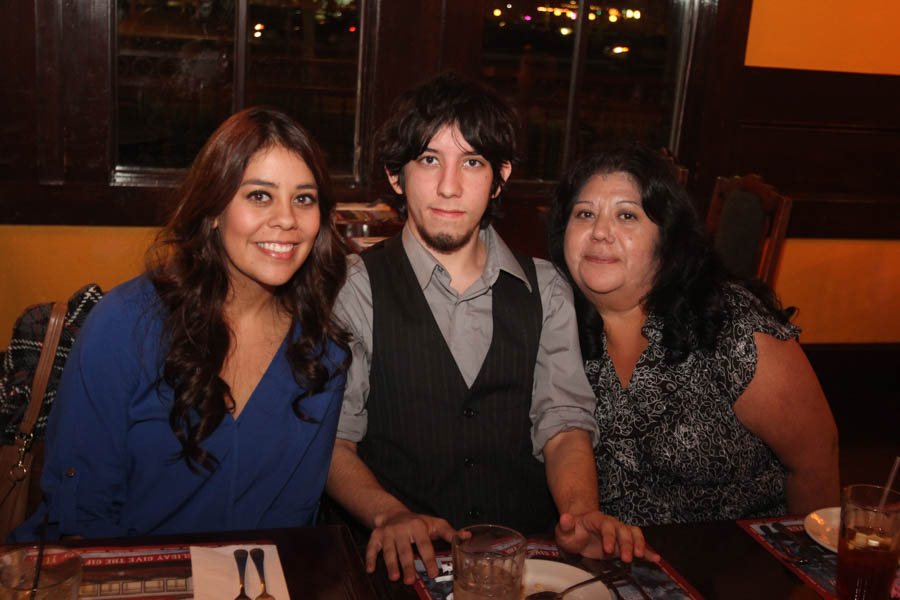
(442, 448)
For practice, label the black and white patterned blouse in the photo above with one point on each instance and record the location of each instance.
(671, 448)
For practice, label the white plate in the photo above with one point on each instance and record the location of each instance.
(543, 575)
(823, 525)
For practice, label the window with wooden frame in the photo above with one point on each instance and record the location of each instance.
(181, 70)
(109, 100)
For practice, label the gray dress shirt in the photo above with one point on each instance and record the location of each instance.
(562, 398)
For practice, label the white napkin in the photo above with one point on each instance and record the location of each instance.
(215, 574)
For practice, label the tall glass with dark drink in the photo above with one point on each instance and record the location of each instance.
(869, 542)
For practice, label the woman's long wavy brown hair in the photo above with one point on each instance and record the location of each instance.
(188, 268)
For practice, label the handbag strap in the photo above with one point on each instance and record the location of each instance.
(44, 367)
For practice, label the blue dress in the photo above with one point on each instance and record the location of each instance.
(111, 464)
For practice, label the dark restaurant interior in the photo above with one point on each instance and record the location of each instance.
(105, 103)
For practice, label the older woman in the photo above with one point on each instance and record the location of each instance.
(204, 395)
(707, 406)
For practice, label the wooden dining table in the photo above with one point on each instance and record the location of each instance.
(719, 559)
(321, 563)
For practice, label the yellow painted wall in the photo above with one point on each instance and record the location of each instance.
(43, 263)
(860, 36)
(847, 291)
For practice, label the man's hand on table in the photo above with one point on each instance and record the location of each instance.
(395, 537)
(596, 535)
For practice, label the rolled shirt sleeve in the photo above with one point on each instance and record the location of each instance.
(353, 309)
(562, 398)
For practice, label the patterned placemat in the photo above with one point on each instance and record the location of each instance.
(819, 570)
(645, 580)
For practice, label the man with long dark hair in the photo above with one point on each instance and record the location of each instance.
(465, 370)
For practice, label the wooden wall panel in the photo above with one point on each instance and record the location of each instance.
(26, 202)
(813, 158)
(823, 97)
(827, 139)
(17, 93)
(708, 123)
(412, 41)
(87, 91)
(844, 216)
(462, 53)
(47, 46)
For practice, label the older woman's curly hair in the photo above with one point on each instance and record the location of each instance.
(188, 268)
(688, 288)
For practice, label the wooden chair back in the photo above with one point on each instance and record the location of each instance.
(682, 173)
(747, 222)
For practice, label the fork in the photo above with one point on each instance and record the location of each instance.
(616, 575)
(809, 549)
(257, 554)
(786, 553)
(806, 545)
(240, 557)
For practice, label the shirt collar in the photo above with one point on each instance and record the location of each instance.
(499, 258)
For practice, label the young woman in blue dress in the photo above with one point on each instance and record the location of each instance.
(204, 394)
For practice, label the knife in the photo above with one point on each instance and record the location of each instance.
(805, 545)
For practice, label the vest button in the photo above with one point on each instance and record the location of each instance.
(70, 472)
(469, 412)
(474, 513)
(469, 462)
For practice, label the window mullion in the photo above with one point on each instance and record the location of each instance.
(240, 56)
(579, 53)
